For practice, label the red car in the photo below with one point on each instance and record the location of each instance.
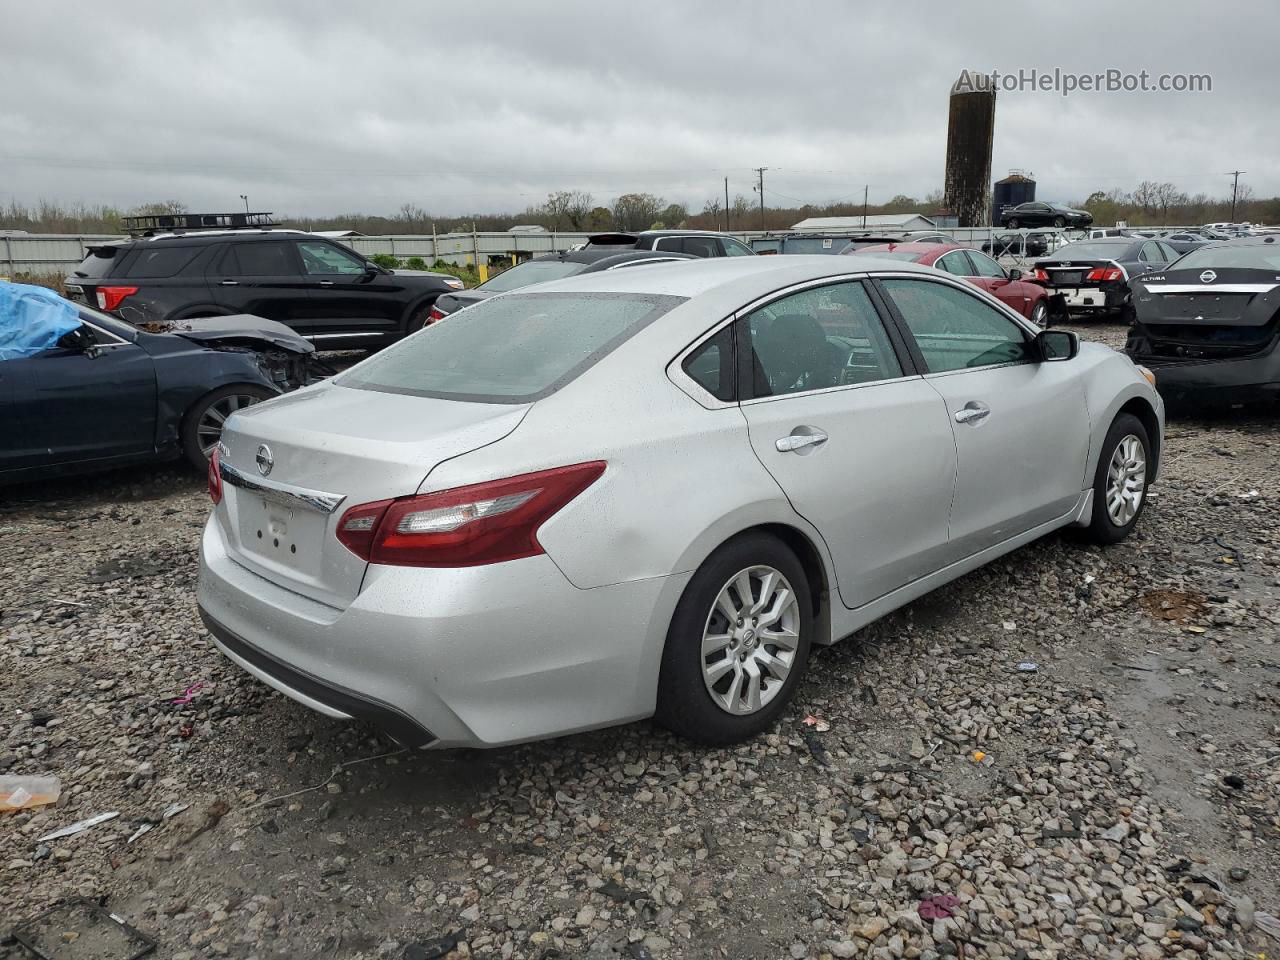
(1029, 299)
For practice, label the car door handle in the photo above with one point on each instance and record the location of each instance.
(229, 283)
(326, 283)
(798, 441)
(972, 414)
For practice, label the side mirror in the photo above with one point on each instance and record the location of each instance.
(1057, 344)
(1015, 274)
(371, 270)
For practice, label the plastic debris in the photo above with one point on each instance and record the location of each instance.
(23, 793)
(188, 694)
(938, 907)
(978, 756)
(431, 949)
(1028, 666)
(1268, 924)
(1010, 625)
(822, 726)
(1252, 494)
(79, 826)
(32, 319)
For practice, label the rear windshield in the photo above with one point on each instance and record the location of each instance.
(889, 254)
(99, 262)
(512, 349)
(535, 271)
(161, 261)
(1248, 256)
(1090, 251)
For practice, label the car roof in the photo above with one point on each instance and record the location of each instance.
(699, 276)
(594, 254)
(920, 248)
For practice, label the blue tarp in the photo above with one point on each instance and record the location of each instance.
(32, 319)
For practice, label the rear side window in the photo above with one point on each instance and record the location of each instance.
(159, 262)
(101, 262)
(700, 247)
(954, 329)
(514, 348)
(732, 248)
(711, 365)
(265, 259)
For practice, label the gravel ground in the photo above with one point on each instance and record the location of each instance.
(1121, 800)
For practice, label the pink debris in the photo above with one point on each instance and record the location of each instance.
(939, 907)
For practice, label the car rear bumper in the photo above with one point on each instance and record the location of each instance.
(476, 656)
(1216, 382)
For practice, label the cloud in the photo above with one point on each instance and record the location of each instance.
(325, 106)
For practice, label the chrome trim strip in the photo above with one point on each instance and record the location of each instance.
(1211, 287)
(343, 336)
(280, 492)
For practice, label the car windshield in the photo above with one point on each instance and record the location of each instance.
(533, 271)
(1249, 256)
(888, 254)
(512, 349)
(1090, 251)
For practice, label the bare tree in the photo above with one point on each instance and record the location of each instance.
(1145, 195)
(713, 209)
(636, 211)
(1168, 195)
(578, 208)
(414, 219)
(556, 209)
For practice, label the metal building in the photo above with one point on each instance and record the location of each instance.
(1016, 188)
(970, 133)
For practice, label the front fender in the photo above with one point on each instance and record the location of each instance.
(1112, 382)
(183, 378)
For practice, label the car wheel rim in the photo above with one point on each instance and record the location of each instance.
(1040, 315)
(1126, 480)
(750, 640)
(209, 429)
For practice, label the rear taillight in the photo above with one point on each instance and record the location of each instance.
(466, 526)
(1104, 274)
(109, 297)
(215, 476)
(435, 315)
(1041, 275)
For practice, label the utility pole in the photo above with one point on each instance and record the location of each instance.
(245, 198)
(866, 189)
(1235, 185)
(760, 171)
(726, 204)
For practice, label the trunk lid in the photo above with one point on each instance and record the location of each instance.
(327, 449)
(1073, 273)
(1205, 314)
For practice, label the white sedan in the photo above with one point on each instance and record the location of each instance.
(651, 492)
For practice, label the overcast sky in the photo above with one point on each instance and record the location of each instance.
(326, 107)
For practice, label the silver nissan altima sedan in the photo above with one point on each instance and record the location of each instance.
(652, 492)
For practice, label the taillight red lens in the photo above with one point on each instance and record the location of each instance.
(435, 315)
(1039, 274)
(215, 477)
(1104, 274)
(467, 526)
(109, 297)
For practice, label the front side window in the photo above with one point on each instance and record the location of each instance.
(985, 266)
(516, 348)
(954, 329)
(267, 258)
(324, 258)
(824, 337)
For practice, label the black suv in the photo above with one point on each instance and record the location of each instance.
(695, 243)
(323, 290)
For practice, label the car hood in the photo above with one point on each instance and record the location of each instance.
(241, 329)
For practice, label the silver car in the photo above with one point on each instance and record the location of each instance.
(651, 492)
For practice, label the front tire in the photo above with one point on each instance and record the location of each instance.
(1059, 222)
(1040, 315)
(202, 425)
(738, 643)
(1120, 480)
(1013, 223)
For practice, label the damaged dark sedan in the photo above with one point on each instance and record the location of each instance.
(1209, 326)
(106, 394)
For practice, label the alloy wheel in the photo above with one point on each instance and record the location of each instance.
(750, 640)
(1126, 480)
(209, 429)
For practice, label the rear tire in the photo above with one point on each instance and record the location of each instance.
(725, 677)
(202, 425)
(1120, 480)
(1059, 222)
(1012, 224)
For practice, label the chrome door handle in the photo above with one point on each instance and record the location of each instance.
(972, 414)
(229, 283)
(798, 441)
(326, 283)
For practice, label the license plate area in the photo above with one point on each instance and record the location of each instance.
(288, 538)
(1068, 277)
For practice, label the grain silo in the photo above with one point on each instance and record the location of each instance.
(970, 133)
